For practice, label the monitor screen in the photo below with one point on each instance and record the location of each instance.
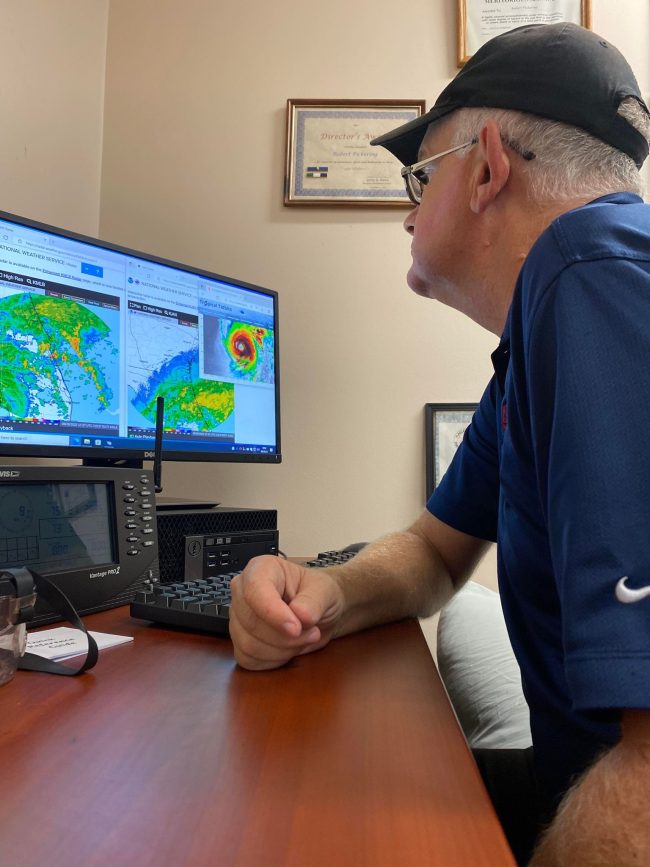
(92, 334)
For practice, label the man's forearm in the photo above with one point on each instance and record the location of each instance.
(603, 821)
(408, 574)
(396, 577)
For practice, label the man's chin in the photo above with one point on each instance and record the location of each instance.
(438, 289)
(418, 286)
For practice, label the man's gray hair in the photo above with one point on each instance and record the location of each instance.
(569, 162)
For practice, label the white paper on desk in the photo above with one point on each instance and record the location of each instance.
(64, 642)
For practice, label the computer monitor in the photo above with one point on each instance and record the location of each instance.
(91, 334)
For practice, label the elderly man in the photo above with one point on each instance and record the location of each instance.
(527, 217)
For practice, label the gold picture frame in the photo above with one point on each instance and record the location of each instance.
(479, 21)
(329, 160)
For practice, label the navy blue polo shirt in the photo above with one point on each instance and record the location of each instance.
(555, 468)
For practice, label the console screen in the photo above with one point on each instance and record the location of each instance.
(56, 527)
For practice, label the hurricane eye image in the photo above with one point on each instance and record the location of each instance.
(242, 348)
(238, 350)
(58, 359)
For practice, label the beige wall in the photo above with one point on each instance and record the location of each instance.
(52, 63)
(193, 152)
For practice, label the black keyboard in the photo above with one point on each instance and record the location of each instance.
(330, 558)
(203, 605)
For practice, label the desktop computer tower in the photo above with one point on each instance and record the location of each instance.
(193, 543)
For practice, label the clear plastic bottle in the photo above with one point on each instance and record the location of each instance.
(13, 636)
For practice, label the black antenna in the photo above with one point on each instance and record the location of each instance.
(158, 442)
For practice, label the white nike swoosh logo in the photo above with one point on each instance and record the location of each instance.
(627, 594)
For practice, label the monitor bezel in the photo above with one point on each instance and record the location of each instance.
(131, 455)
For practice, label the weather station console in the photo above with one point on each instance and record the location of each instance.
(90, 530)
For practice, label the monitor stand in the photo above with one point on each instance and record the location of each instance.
(166, 504)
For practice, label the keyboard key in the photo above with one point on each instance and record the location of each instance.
(180, 604)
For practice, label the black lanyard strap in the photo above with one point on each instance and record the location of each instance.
(26, 580)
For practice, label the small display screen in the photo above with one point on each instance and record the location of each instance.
(56, 526)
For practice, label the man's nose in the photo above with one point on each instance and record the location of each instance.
(409, 222)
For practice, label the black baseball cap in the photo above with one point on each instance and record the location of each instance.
(558, 71)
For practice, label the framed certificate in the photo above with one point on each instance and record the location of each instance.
(444, 427)
(480, 20)
(329, 157)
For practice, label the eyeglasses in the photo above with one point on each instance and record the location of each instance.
(416, 176)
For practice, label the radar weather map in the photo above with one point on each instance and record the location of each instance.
(59, 360)
(191, 403)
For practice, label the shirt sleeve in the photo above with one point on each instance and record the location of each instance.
(467, 497)
(588, 377)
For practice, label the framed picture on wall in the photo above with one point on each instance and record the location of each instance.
(330, 160)
(444, 427)
(480, 20)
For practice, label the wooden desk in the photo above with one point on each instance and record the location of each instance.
(167, 754)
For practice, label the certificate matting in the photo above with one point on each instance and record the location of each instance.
(329, 157)
(481, 20)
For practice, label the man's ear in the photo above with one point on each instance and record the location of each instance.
(492, 169)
